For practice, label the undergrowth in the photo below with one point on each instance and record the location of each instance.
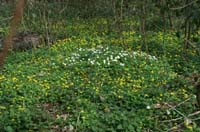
(99, 80)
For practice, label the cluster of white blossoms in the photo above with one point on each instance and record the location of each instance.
(104, 56)
(145, 55)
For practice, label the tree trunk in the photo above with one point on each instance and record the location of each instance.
(143, 25)
(18, 13)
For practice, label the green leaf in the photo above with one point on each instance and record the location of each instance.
(9, 129)
(119, 127)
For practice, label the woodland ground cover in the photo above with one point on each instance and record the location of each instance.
(100, 80)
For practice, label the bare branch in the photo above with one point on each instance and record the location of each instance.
(193, 114)
(178, 8)
(175, 119)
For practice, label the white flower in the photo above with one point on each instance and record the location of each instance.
(107, 58)
(111, 57)
(148, 107)
(168, 112)
(154, 58)
(122, 64)
(134, 53)
(117, 57)
(92, 62)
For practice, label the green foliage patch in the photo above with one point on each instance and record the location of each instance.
(79, 86)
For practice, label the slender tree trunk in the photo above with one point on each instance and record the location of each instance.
(187, 33)
(18, 13)
(187, 26)
(143, 25)
(163, 16)
(170, 20)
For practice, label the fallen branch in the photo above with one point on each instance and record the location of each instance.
(193, 114)
(177, 111)
(172, 120)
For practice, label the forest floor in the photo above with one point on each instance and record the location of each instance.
(100, 80)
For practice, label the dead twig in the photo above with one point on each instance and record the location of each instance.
(184, 6)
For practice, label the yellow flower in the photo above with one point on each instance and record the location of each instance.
(14, 79)
(2, 77)
(2, 107)
(120, 97)
(21, 108)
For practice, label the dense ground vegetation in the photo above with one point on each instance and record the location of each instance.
(98, 72)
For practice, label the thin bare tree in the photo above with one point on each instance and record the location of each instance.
(17, 16)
